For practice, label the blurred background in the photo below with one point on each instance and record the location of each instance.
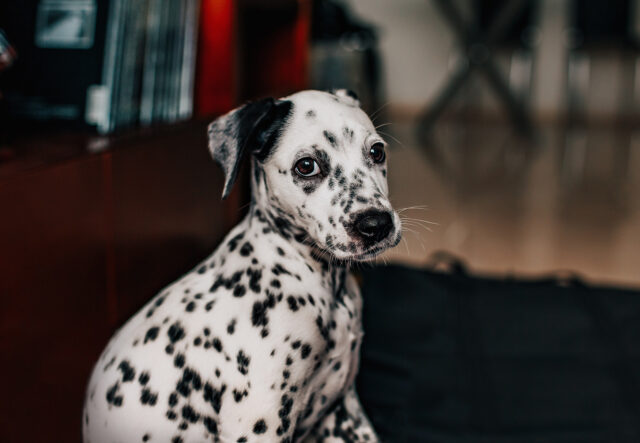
(514, 153)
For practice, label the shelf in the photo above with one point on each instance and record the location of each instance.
(27, 153)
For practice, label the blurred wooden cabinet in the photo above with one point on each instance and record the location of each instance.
(83, 244)
(86, 239)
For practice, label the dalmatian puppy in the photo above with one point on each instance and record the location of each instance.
(260, 342)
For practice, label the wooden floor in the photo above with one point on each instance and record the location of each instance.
(568, 202)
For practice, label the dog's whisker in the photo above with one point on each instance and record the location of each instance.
(382, 125)
(418, 236)
(415, 218)
(419, 220)
(407, 229)
(374, 115)
(392, 137)
(421, 227)
(406, 245)
(404, 218)
(410, 208)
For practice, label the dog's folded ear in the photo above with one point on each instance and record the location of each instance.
(347, 96)
(254, 127)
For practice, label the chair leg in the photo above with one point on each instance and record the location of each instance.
(428, 117)
(515, 108)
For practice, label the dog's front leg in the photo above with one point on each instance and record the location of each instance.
(347, 422)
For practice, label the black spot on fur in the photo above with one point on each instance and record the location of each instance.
(255, 275)
(233, 243)
(286, 405)
(283, 226)
(243, 361)
(239, 291)
(189, 414)
(128, 372)
(348, 134)
(178, 361)
(239, 395)
(144, 378)
(109, 364)
(331, 138)
(259, 314)
(190, 380)
(293, 303)
(260, 427)
(152, 334)
(246, 249)
(350, 93)
(175, 332)
(265, 132)
(305, 351)
(112, 395)
(148, 398)
(211, 425)
(228, 283)
(279, 269)
(213, 396)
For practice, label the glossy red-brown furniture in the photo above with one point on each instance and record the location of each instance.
(91, 227)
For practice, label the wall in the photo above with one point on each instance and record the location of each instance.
(419, 50)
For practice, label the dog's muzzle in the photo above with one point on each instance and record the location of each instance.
(373, 226)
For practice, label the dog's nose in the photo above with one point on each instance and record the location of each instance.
(374, 225)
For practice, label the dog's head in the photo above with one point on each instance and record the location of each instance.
(319, 170)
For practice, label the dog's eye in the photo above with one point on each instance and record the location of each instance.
(377, 152)
(307, 167)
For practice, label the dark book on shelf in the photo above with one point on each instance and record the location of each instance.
(60, 49)
(101, 64)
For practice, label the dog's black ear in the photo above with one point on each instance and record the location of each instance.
(254, 127)
(347, 96)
